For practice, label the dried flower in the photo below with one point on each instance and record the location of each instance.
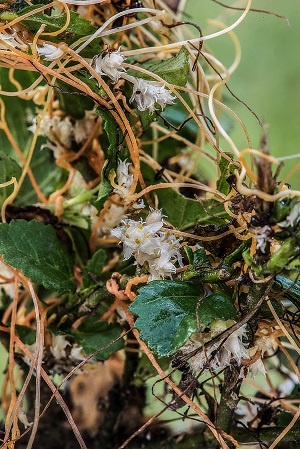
(50, 52)
(147, 94)
(11, 39)
(220, 354)
(110, 64)
(82, 128)
(263, 235)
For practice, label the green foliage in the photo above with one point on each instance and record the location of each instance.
(173, 70)
(167, 313)
(26, 334)
(184, 213)
(290, 289)
(8, 168)
(93, 335)
(225, 168)
(94, 268)
(112, 153)
(72, 101)
(77, 28)
(34, 248)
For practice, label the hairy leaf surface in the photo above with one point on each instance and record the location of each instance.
(167, 313)
(34, 248)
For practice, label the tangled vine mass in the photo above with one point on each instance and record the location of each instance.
(149, 267)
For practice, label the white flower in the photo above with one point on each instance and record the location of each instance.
(58, 349)
(50, 52)
(136, 236)
(82, 128)
(263, 235)
(157, 251)
(11, 39)
(124, 179)
(257, 367)
(146, 94)
(112, 218)
(220, 354)
(293, 218)
(23, 419)
(77, 354)
(59, 344)
(61, 131)
(110, 64)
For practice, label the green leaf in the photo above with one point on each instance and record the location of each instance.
(34, 248)
(112, 153)
(93, 335)
(224, 166)
(216, 307)
(189, 253)
(173, 70)
(77, 28)
(200, 257)
(94, 268)
(184, 213)
(291, 289)
(8, 169)
(167, 311)
(72, 101)
(26, 334)
(105, 188)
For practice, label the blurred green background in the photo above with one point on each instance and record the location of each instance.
(268, 77)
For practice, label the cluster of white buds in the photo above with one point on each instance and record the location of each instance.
(156, 251)
(61, 131)
(221, 354)
(124, 183)
(50, 52)
(146, 93)
(110, 64)
(124, 179)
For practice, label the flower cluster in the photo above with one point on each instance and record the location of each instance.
(220, 354)
(61, 131)
(154, 250)
(66, 355)
(124, 179)
(145, 93)
(58, 349)
(110, 64)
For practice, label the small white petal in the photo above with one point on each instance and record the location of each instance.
(146, 94)
(50, 52)
(110, 64)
